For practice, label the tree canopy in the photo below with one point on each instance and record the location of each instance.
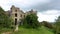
(31, 21)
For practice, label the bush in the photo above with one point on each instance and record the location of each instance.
(47, 24)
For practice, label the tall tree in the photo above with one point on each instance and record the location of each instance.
(57, 25)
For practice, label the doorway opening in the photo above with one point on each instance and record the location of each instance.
(15, 21)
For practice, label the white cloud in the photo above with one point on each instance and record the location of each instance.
(49, 16)
(52, 12)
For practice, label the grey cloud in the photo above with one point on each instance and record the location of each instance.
(53, 5)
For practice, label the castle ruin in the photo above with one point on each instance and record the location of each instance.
(17, 14)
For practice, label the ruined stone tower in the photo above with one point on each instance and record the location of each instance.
(17, 14)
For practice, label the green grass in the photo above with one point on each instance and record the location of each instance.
(4, 30)
(41, 30)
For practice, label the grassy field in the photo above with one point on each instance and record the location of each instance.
(41, 30)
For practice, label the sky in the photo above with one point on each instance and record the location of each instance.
(47, 10)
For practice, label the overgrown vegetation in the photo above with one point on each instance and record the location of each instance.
(57, 25)
(5, 20)
(31, 21)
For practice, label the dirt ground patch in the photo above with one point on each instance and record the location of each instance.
(6, 33)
